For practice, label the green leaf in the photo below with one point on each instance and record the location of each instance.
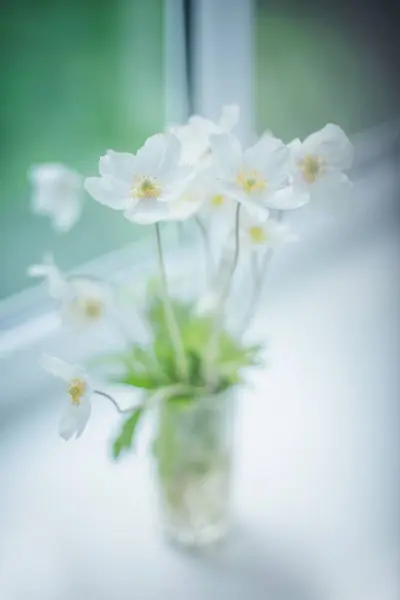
(155, 366)
(195, 368)
(143, 380)
(143, 357)
(124, 441)
(165, 354)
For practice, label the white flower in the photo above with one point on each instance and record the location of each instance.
(319, 162)
(195, 134)
(261, 234)
(56, 281)
(57, 193)
(86, 302)
(217, 203)
(190, 199)
(251, 176)
(202, 194)
(289, 198)
(83, 301)
(142, 185)
(77, 413)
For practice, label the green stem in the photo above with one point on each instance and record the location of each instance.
(168, 392)
(259, 277)
(226, 290)
(212, 355)
(121, 411)
(170, 318)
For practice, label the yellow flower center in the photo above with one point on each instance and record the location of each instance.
(311, 167)
(92, 308)
(257, 234)
(217, 200)
(76, 389)
(145, 187)
(251, 181)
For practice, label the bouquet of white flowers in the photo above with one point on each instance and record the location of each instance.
(191, 361)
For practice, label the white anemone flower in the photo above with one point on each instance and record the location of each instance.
(56, 281)
(57, 193)
(77, 413)
(84, 301)
(202, 195)
(195, 134)
(251, 176)
(259, 234)
(190, 200)
(218, 205)
(144, 184)
(319, 162)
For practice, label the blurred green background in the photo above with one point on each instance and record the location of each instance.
(319, 61)
(82, 76)
(78, 77)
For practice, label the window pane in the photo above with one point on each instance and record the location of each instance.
(319, 62)
(79, 77)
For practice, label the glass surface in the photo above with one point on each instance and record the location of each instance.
(78, 77)
(319, 62)
(193, 451)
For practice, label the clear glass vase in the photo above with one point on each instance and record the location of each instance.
(193, 457)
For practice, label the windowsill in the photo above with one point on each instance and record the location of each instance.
(316, 441)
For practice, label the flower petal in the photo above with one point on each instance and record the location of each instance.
(254, 206)
(229, 117)
(227, 153)
(74, 420)
(279, 232)
(53, 173)
(269, 156)
(120, 165)
(248, 220)
(87, 302)
(84, 411)
(159, 155)
(177, 177)
(90, 287)
(68, 423)
(56, 193)
(289, 198)
(180, 210)
(261, 234)
(295, 147)
(201, 127)
(109, 191)
(148, 212)
(190, 200)
(333, 183)
(59, 368)
(331, 144)
(57, 284)
(193, 137)
(67, 214)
